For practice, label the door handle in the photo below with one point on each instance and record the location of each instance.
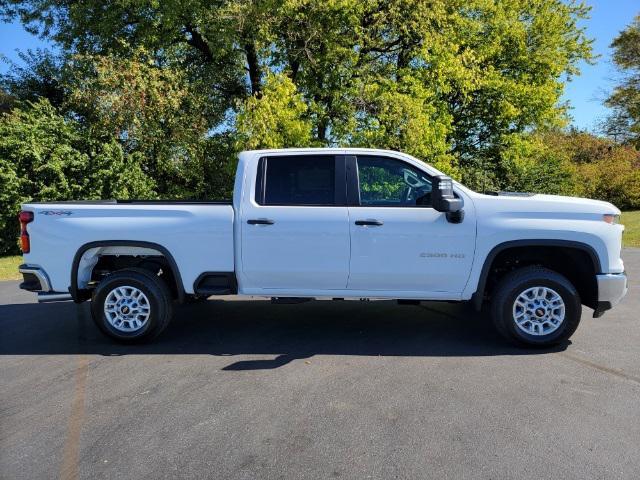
(372, 223)
(260, 221)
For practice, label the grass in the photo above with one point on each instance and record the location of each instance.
(631, 221)
(9, 268)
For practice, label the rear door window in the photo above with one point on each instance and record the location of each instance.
(297, 180)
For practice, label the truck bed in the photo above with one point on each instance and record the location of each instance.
(135, 202)
(197, 235)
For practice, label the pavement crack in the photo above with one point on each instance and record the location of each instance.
(601, 368)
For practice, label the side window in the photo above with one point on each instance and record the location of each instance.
(386, 182)
(296, 180)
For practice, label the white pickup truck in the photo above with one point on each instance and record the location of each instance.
(331, 223)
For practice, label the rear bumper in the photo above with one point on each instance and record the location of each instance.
(35, 279)
(612, 287)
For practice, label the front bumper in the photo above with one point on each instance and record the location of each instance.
(612, 287)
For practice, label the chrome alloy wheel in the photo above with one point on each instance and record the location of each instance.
(538, 311)
(127, 309)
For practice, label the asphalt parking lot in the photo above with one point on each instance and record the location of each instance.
(247, 390)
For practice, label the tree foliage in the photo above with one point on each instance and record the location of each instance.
(532, 164)
(624, 124)
(46, 157)
(151, 110)
(448, 80)
(596, 167)
(170, 91)
(39, 76)
(277, 118)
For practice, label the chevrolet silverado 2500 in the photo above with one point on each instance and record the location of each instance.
(331, 223)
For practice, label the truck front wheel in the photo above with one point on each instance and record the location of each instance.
(131, 305)
(535, 306)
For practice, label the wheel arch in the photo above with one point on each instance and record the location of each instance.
(78, 294)
(478, 297)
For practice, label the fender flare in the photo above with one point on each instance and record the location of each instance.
(478, 296)
(76, 293)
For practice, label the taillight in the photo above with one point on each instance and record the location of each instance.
(25, 218)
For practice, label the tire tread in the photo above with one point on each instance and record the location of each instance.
(513, 281)
(158, 288)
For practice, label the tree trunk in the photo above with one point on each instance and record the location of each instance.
(322, 129)
(255, 75)
(197, 41)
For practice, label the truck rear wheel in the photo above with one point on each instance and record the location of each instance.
(535, 306)
(132, 305)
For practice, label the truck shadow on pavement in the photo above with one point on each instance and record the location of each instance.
(290, 332)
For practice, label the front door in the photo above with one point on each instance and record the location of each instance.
(398, 241)
(295, 228)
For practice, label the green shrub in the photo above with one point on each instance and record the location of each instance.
(601, 168)
(44, 156)
(616, 181)
(529, 165)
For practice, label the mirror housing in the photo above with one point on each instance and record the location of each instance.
(442, 196)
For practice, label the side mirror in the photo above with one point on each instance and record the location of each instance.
(442, 196)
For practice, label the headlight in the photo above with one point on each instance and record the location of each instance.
(611, 218)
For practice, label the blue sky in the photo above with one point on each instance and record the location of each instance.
(584, 93)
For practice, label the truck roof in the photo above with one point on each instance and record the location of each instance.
(321, 150)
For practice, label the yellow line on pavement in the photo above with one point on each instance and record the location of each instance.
(71, 455)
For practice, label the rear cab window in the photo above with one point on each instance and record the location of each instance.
(298, 180)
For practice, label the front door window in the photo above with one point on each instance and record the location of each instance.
(386, 182)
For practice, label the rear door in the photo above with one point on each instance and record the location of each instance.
(399, 243)
(295, 227)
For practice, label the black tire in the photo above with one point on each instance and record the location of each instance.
(517, 282)
(157, 293)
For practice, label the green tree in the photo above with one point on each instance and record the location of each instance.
(152, 111)
(275, 119)
(597, 167)
(39, 76)
(624, 123)
(44, 156)
(530, 164)
(448, 80)
(408, 117)
(10, 198)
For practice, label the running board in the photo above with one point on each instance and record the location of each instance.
(289, 300)
(46, 297)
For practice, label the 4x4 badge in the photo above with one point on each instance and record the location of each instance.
(58, 213)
